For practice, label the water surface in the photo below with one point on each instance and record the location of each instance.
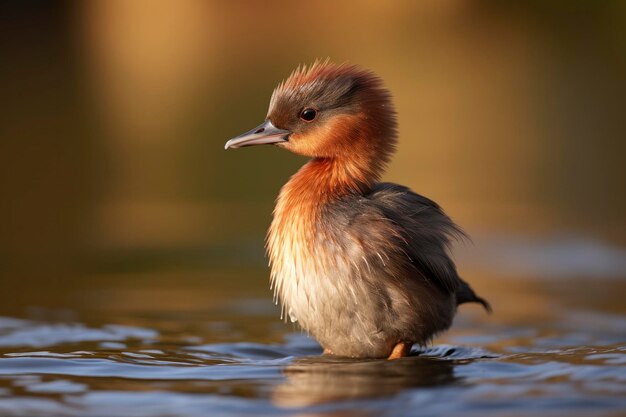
(198, 342)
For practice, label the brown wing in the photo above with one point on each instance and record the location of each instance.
(426, 229)
(429, 233)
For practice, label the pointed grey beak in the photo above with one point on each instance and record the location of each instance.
(265, 133)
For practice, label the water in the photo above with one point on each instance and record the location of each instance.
(132, 277)
(209, 342)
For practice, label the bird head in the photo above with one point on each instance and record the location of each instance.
(329, 111)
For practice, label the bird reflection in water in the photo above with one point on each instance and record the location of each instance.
(319, 380)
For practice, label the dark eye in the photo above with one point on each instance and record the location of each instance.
(308, 114)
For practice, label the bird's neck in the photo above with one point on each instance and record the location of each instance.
(324, 179)
(302, 199)
(318, 183)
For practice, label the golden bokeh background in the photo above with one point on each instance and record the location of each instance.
(115, 112)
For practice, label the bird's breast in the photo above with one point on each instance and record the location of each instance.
(299, 263)
(310, 269)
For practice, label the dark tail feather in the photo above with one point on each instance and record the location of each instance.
(465, 294)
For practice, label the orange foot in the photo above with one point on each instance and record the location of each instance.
(327, 352)
(400, 350)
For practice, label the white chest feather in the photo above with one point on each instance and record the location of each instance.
(310, 273)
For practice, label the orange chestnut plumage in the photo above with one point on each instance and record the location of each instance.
(363, 266)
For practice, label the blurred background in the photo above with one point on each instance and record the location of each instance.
(115, 113)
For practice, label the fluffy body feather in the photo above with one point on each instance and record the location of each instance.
(362, 266)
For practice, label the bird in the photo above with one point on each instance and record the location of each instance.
(361, 265)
